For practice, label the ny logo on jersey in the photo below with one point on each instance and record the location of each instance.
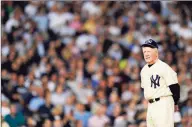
(155, 82)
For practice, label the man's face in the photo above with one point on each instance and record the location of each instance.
(13, 109)
(150, 54)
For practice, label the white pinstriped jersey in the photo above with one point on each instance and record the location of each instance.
(156, 79)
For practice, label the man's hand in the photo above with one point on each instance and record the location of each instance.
(176, 108)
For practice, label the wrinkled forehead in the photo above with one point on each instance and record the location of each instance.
(148, 49)
(151, 50)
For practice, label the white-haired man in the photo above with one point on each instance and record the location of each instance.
(161, 87)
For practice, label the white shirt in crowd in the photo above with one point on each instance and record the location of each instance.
(98, 121)
(59, 99)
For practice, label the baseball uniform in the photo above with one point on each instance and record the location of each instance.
(155, 80)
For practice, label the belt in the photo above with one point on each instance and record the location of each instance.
(154, 100)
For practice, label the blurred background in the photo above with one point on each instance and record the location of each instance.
(77, 64)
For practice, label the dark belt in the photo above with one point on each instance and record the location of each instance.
(154, 100)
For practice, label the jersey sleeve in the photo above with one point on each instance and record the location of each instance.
(170, 76)
(142, 86)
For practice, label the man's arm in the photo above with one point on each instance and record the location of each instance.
(175, 89)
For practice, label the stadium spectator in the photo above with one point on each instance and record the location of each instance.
(15, 118)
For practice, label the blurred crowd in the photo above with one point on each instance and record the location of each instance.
(77, 64)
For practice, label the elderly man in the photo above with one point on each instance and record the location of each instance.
(161, 87)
